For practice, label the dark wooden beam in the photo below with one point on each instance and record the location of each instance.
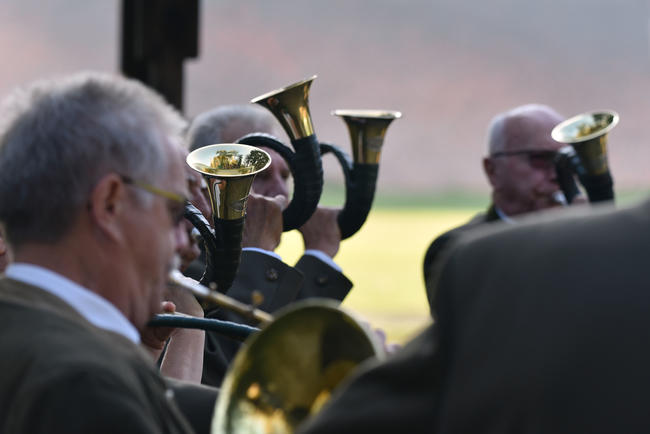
(156, 38)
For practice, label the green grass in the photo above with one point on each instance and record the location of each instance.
(384, 260)
(334, 195)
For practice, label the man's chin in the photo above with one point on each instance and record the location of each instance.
(174, 264)
(544, 205)
(550, 200)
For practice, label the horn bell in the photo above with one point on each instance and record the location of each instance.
(287, 371)
(290, 106)
(587, 133)
(229, 170)
(367, 129)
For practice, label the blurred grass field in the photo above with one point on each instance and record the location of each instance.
(384, 261)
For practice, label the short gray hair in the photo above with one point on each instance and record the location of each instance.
(497, 131)
(228, 123)
(59, 137)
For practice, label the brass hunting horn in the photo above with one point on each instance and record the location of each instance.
(229, 170)
(290, 106)
(587, 136)
(287, 371)
(367, 129)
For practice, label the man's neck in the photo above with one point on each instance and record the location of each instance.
(67, 257)
(70, 259)
(508, 208)
(52, 257)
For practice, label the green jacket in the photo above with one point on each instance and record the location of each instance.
(61, 374)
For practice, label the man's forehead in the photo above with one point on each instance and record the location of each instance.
(532, 131)
(276, 159)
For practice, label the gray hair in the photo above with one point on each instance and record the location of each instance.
(228, 123)
(59, 137)
(497, 131)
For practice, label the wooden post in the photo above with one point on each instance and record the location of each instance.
(156, 37)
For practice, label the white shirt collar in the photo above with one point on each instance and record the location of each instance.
(266, 252)
(94, 308)
(502, 215)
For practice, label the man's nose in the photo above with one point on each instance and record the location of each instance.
(278, 185)
(181, 237)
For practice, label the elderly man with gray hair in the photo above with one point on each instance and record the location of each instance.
(520, 169)
(92, 193)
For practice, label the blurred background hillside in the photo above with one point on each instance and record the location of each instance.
(448, 65)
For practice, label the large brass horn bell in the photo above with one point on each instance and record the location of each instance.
(287, 371)
(229, 170)
(587, 134)
(290, 106)
(367, 130)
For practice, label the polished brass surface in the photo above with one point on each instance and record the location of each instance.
(587, 133)
(290, 105)
(204, 293)
(367, 130)
(287, 371)
(229, 170)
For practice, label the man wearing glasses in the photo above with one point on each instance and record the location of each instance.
(92, 190)
(520, 169)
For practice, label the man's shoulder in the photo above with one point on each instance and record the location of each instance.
(43, 331)
(88, 395)
(58, 338)
(563, 240)
(444, 239)
(567, 225)
(55, 357)
(477, 220)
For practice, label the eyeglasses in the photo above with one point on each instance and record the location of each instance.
(175, 202)
(537, 158)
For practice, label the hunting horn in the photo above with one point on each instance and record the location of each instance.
(367, 129)
(587, 136)
(290, 106)
(229, 170)
(287, 371)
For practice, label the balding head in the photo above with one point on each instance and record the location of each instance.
(227, 124)
(524, 127)
(519, 164)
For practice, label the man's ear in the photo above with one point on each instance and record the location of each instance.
(106, 205)
(489, 169)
